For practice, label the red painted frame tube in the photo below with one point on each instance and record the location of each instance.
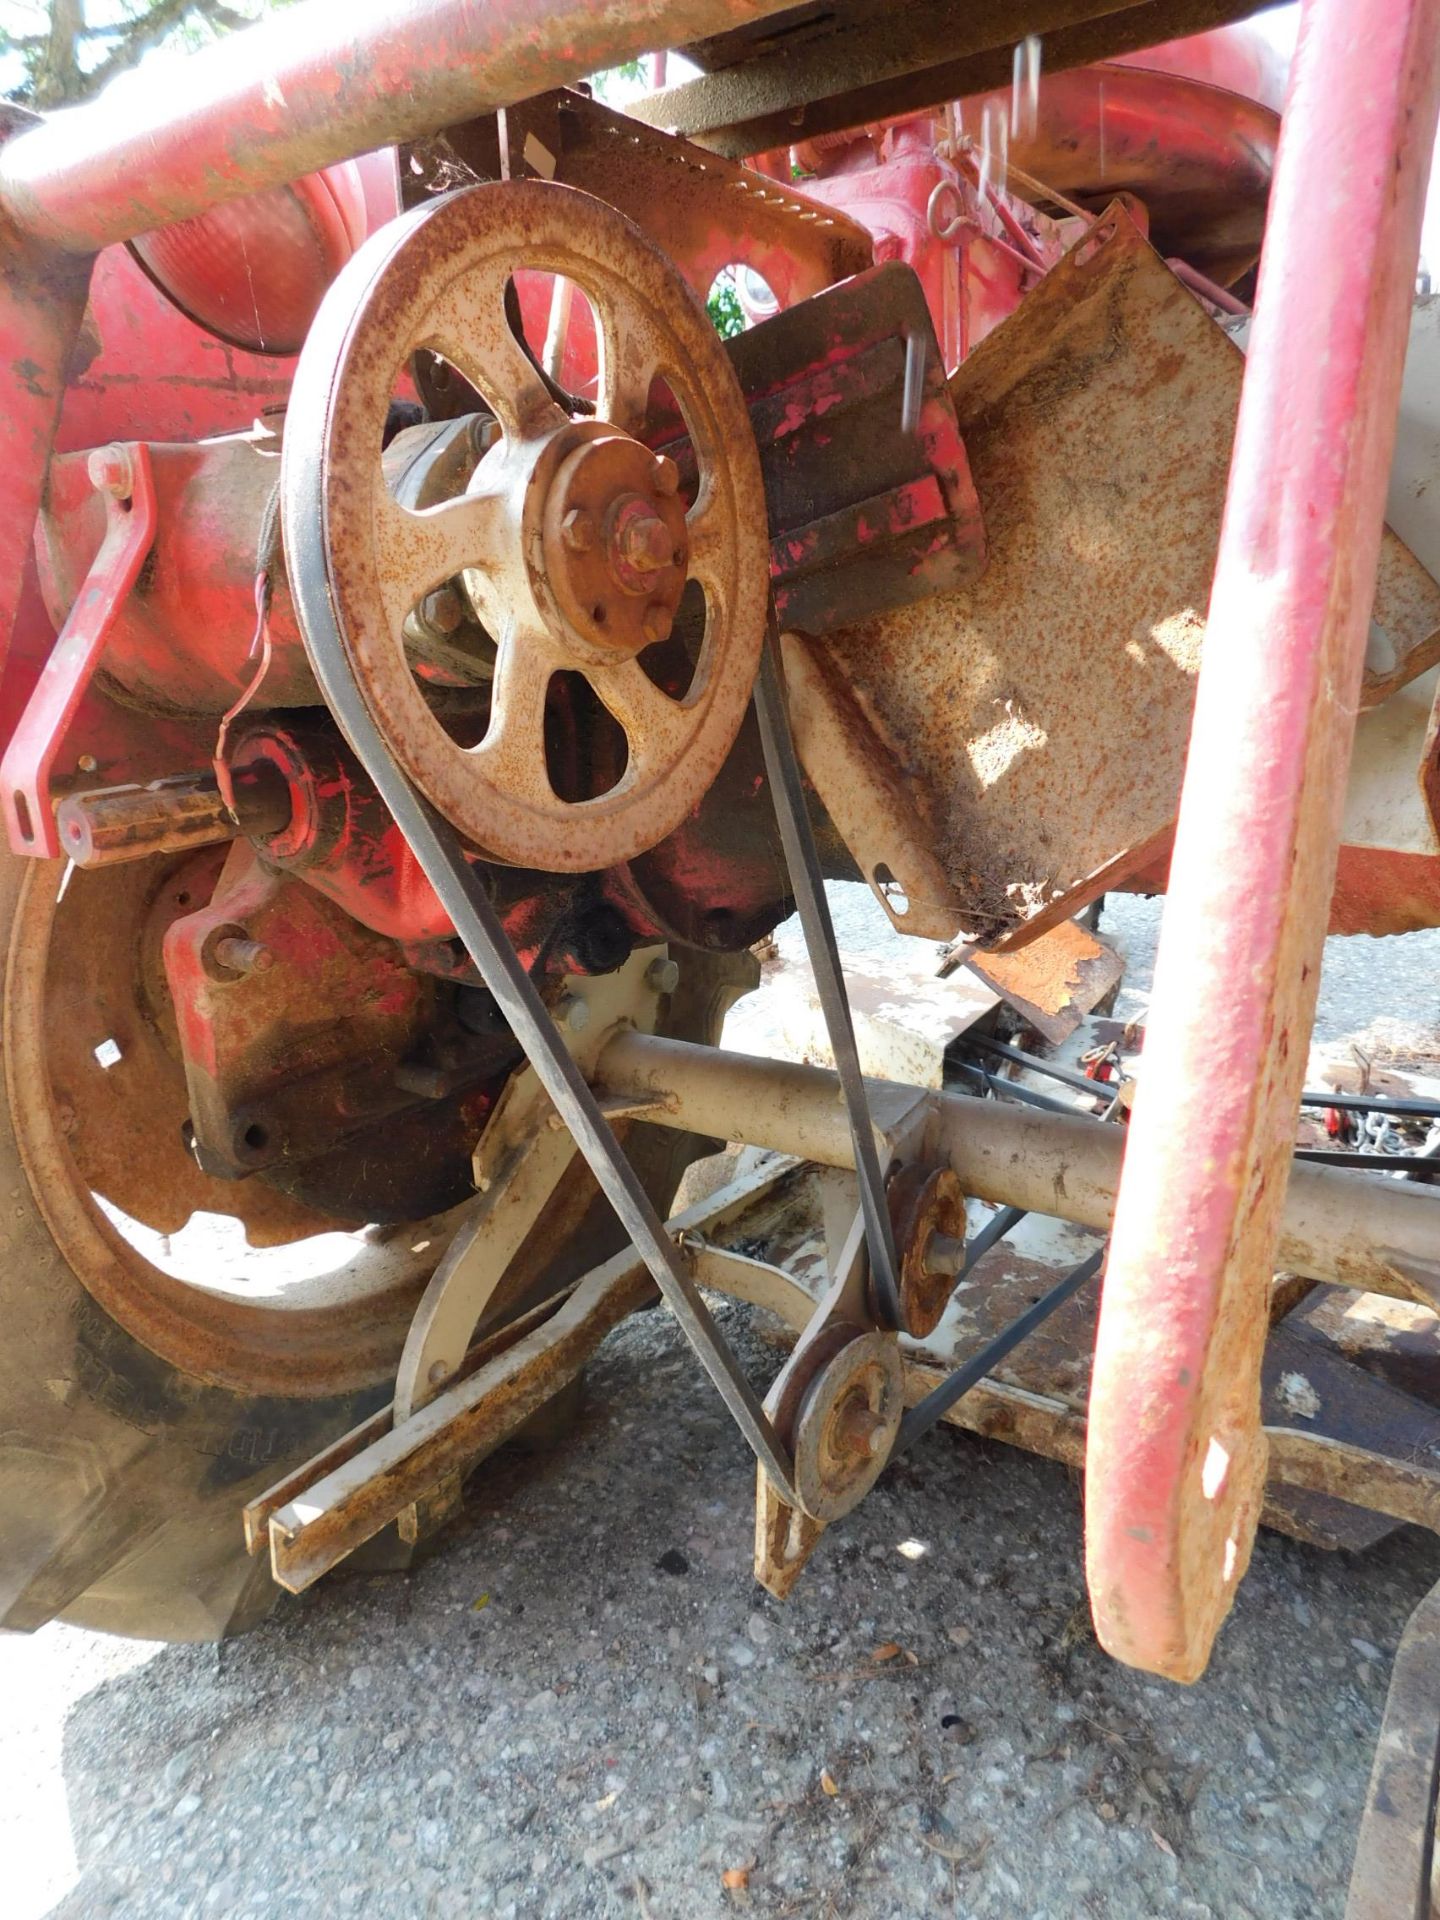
(1176, 1457)
(42, 301)
(309, 86)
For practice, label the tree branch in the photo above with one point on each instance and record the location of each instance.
(55, 74)
(222, 16)
(139, 38)
(54, 61)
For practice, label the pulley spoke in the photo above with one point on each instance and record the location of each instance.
(627, 371)
(708, 532)
(416, 552)
(514, 745)
(655, 725)
(469, 327)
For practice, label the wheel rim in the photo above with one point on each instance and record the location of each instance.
(308, 1307)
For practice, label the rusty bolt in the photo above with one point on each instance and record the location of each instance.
(665, 475)
(646, 543)
(439, 1371)
(234, 953)
(110, 471)
(657, 622)
(577, 530)
(485, 433)
(663, 975)
(859, 1429)
(442, 612)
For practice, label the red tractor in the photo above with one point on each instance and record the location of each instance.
(435, 658)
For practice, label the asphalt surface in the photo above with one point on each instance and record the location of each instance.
(582, 1705)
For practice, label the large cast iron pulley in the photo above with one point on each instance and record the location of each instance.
(572, 538)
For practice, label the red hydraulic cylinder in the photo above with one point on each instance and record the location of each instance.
(1176, 1456)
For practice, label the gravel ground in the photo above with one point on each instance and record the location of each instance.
(583, 1705)
(1383, 994)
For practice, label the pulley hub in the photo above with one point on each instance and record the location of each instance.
(614, 547)
(846, 1425)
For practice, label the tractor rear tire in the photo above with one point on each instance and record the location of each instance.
(123, 1469)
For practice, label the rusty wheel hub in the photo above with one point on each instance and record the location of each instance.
(573, 539)
(232, 1280)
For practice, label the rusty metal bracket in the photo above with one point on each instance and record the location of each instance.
(867, 482)
(123, 475)
(703, 212)
(1097, 422)
(522, 1157)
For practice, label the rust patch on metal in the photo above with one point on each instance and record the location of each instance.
(703, 212)
(1055, 980)
(925, 1201)
(865, 792)
(1041, 715)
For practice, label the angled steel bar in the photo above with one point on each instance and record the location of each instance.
(938, 1402)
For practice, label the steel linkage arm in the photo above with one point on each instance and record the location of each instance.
(1176, 1457)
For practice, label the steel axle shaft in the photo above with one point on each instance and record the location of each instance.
(1376, 1235)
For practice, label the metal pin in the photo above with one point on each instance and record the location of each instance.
(914, 383)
